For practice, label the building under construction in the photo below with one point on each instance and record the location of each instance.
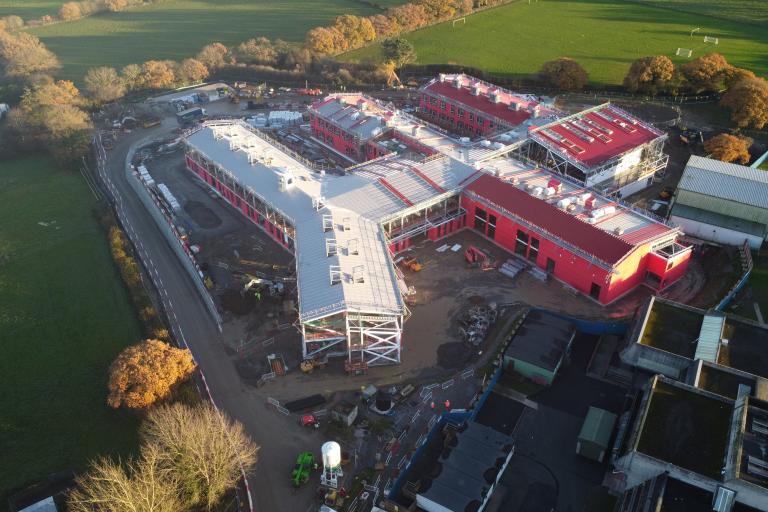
(344, 230)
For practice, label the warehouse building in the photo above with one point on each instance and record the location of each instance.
(696, 437)
(721, 202)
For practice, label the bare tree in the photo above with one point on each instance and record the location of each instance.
(144, 485)
(104, 84)
(203, 447)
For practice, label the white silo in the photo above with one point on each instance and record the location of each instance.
(331, 452)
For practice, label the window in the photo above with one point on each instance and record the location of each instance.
(550, 265)
(480, 120)
(453, 109)
(521, 245)
(533, 251)
(442, 105)
(594, 291)
(480, 220)
(471, 116)
(491, 226)
(461, 112)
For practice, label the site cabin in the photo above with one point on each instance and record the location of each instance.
(191, 115)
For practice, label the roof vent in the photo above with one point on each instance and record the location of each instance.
(618, 231)
(335, 272)
(330, 247)
(358, 274)
(514, 105)
(441, 76)
(475, 90)
(457, 82)
(327, 223)
(494, 96)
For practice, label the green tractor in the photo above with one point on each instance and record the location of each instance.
(305, 463)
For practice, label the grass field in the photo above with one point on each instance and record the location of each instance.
(29, 9)
(745, 11)
(176, 29)
(603, 35)
(64, 315)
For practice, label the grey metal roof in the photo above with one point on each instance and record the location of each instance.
(726, 181)
(351, 118)
(709, 337)
(541, 340)
(461, 475)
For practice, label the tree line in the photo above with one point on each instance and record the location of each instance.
(71, 11)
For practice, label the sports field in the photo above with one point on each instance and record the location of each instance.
(29, 9)
(64, 315)
(176, 29)
(603, 35)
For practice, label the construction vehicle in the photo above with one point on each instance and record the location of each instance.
(305, 463)
(666, 193)
(476, 257)
(412, 264)
(308, 365)
(276, 364)
(257, 285)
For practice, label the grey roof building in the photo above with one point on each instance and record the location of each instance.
(721, 202)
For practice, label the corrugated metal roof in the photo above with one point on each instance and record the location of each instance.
(733, 182)
(709, 337)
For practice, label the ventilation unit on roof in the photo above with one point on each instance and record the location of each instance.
(514, 180)
(529, 187)
(475, 90)
(564, 203)
(537, 191)
(335, 273)
(330, 247)
(485, 143)
(514, 105)
(535, 111)
(327, 223)
(362, 104)
(354, 115)
(358, 274)
(457, 82)
(494, 96)
(618, 231)
(441, 77)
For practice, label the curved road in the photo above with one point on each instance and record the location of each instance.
(279, 440)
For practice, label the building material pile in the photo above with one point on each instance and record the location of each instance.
(476, 322)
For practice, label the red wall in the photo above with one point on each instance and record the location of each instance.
(274, 231)
(431, 109)
(342, 142)
(445, 229)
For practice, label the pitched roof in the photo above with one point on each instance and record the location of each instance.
(551, 221)
(733, 182)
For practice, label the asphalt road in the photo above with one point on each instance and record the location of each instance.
(191, 322)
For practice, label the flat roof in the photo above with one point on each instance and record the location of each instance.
(599, 238)
(595, 136)
(598, 426)
(490, 99)
(725, 381)
(541, 340)
(259, 167)
(672, 328)
(747, 348)
(672, 429)
(731, 182)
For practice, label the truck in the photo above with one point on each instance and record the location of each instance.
(191, 115)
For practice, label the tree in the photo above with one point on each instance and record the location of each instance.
(116, 5)
(258, 51)
(131, 75)
(70, 11)
(144, 485)
(734, 75)
(192, 71)
(650, 74)
(729, 148)
(409, 16)
(355, 30)
(213, 56)
(564, 74)
(399, 51)
(325, 41)
(203, 447)
(23, 55)
(706, 73)
(49, 114)
(11, 23)
(439, 9)
(748, 101)
(157, 74)
(104, 84)
(384, 26)
(146, 373)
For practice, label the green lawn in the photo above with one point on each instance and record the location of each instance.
(603, 35)
(29, 9)
(176, 29)
(746, 11)
(64, 315)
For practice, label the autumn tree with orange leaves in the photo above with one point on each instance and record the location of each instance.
(729, 148)
(147, 373)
